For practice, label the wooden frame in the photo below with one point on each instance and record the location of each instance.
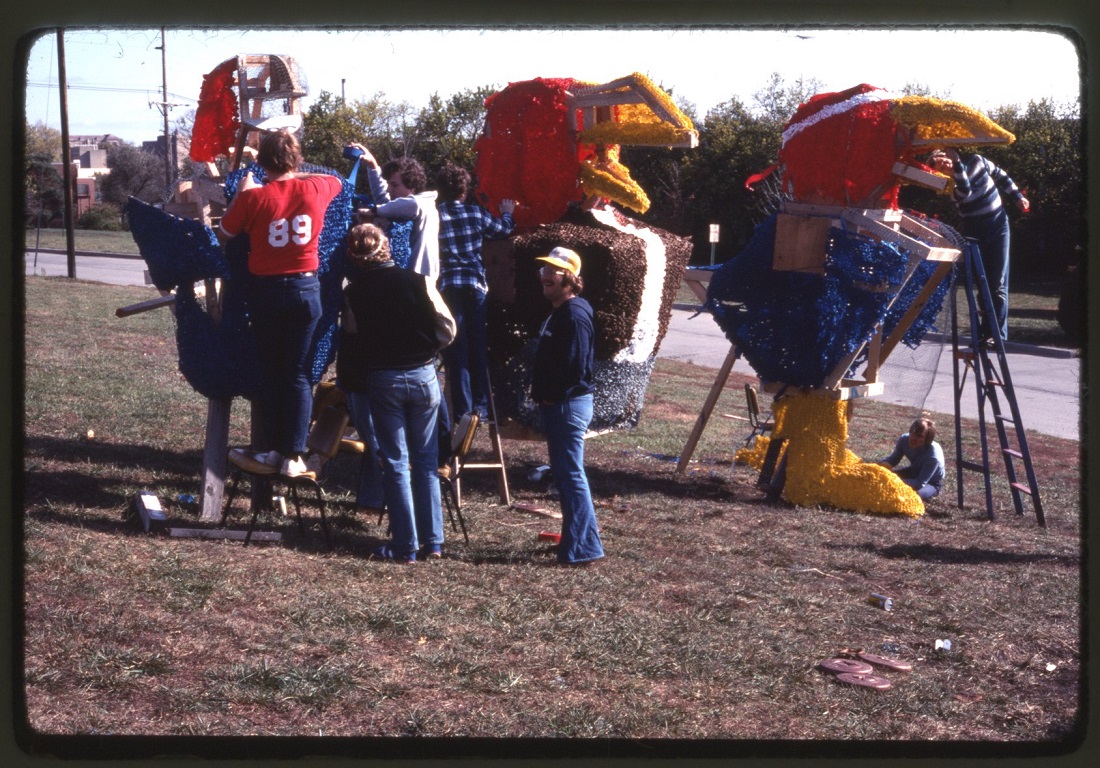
(889, 225)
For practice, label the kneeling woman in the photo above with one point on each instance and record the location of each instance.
(386, 362)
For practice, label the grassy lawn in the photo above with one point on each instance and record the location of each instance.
(706, 621)
(91, 241)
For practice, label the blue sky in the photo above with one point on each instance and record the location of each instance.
(115, 75)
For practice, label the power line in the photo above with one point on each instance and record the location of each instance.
(113, 89)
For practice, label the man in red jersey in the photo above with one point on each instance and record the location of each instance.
(283, 218)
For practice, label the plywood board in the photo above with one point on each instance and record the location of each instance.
(800, 243)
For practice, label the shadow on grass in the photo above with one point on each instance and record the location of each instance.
(56, 472)
(936, 553)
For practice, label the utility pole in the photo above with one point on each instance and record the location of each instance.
(66, 154)
(342, 81)
(164, 84)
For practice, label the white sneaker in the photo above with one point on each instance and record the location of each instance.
(300, 468)
(271, 458)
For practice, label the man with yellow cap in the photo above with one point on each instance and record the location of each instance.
(562, 386)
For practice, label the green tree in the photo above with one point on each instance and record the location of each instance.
(447, 129)
(733, 145)
(134, 173)
(41, 141)
(331, 123)
(777, 101)
(44, 193)
(1047, 162)
(44, 188)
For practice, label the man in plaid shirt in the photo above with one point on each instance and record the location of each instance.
(462, 227)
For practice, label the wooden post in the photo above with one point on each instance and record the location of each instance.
(215, 459)
(66, 155)
(708, 407)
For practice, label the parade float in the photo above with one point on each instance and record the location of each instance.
(838, 277)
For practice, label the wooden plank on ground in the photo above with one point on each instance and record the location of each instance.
(535, 509)
(222, 533)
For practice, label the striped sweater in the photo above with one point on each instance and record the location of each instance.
(977, 182)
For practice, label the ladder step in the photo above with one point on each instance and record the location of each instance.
(1005, 419)
(482, 466)
(972, 465)
(1022, 488)
(1012, 452)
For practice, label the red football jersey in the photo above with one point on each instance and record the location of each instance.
(283, 220)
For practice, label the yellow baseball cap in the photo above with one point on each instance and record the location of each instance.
(563, 258)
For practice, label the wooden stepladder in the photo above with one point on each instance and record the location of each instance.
(496, 464)
(992, 381)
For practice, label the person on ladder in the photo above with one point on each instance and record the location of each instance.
(462, 227)
(283, 218)
(979, 187)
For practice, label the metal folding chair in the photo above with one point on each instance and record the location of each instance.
(462, 437)
(325, 439)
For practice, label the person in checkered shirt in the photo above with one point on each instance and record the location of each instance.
(462, 227)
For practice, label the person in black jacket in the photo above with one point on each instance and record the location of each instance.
(562, 385)
(386, 363)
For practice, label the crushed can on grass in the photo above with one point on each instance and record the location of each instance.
(881, 601)
(279, 502)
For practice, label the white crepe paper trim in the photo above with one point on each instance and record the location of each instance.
(825, 113)
(647, 325)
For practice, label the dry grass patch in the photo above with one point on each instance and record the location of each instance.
(705, 622)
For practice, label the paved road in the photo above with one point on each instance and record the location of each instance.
(96, 267)
(1046, 381)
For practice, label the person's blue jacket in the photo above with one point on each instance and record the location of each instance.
(926, 461)
(565, 358)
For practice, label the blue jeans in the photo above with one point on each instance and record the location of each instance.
(370, 493)
(465, 357)
(405, 408)
(564, 425)
(284, 311)
(926, 491)
(992, 234)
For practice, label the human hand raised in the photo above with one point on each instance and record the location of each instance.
(247, 183)
(367, 157)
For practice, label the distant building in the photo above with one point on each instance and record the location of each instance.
(81, 143)
(88, 160)
(179, 148)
